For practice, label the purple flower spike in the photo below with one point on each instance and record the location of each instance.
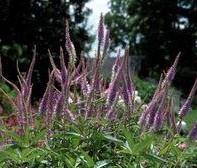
(113, 87)
(63, 67)
(159, 116)
(43, 106)
(60, 106)
(22, 102)
(100, 30)
(54, 99)
(125, 95)
(68, 43)
(29, 74)
(57, 72)
(151, 116)
(85, 87)
(158, 121)
(126, 92)
(171, 72)
(186, 106)
(111, 115)
(193, 132)
(116, 66)
(69, 46)
(106, 44)
(142, 119)
(114, 84)
(147, 116)
(130, 86)
(111, 93)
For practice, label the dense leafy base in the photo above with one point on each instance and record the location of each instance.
(93, 143)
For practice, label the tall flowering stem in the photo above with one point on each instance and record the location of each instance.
(193, 132)
(70, 47)
(100, 34)
(155, 106)
(171, 72)
(153, 116)
(48, 101)
(106, 45)
(116, 66)
(22, 102)
(159, 116)
(186, 106)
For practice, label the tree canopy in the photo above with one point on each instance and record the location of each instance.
(156, 30)
(26, 23)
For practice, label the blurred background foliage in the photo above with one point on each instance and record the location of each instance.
(5, 105)
(156, 30)
(26, 23)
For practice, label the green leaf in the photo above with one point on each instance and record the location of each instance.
(128, 137)
(165, 149)
(156, 158)
(70, 161)
(87, 159)
(12, 154)
(32, 154)
(113, 139)
(74, 134)
(126, 148)
(101, 163)
(143, 144)
(3, 156)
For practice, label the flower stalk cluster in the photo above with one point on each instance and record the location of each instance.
(158, 111)
(84, 88)
(22, 103)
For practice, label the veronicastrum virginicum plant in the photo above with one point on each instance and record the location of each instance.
(92, 97)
